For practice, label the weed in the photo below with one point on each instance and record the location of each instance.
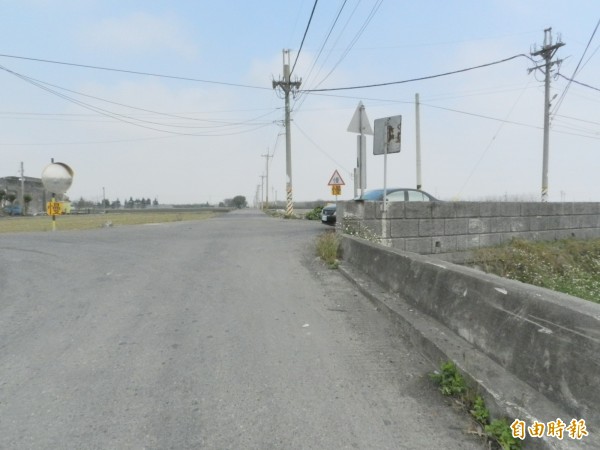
(328, 247)
(450, 380)
(452, 383)
(479, 412)
(501, 431)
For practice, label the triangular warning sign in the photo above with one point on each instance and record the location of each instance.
(360, 122)
(336, 180)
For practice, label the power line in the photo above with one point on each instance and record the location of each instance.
(326, 39)
(564, 93)
(114, 115)
(348, 48)
(492, 140)
(511, 122)
(355, 38)
(304, 37)
(578, 82)
(134, 72)
(321, 150)
(429, 77)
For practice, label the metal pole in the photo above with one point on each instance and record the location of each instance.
(289, 210)
(546, 132)
(418, 131)
(384, 224)
(547, 53)
(262, 192)
(287, 85)
(267, 171)
(22, 189)
(362, 154)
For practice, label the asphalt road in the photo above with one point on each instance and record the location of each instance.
(221, 334)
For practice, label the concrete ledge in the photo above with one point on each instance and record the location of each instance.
(547, 341)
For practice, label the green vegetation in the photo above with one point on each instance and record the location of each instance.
(452, 384)
(314, 214)
(450, 381)
(500, 430)
(91, 221)
(571, 266)
(328, 248)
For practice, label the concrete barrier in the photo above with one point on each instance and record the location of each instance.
(549, 340)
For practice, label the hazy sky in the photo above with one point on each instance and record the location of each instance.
(199, 140)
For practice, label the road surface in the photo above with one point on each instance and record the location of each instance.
(222, 334)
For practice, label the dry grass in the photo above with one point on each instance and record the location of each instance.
(328, 248)
(91, 221)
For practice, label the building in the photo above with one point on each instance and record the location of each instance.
(32, 187)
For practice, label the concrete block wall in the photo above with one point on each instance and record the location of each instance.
(450, 227)
(550, 341)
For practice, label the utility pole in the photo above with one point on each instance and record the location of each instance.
(267, 171)
(22, 189)
(287, 86)
(547, 52)
(262, 192)
(418, 131)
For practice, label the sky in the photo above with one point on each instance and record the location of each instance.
(190, 110)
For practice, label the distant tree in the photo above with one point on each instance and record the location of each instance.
(239, 201)
(2, 196)
(155, 202)
(221, 204)
(11, 197)
(27, 200)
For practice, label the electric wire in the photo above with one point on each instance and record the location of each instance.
(492, 140)
(578, 82)
(331, 28)
(374, 9)
(304, 37)
(111, 114)
(321, 150)
(134, 72)
(564, 92)
(354, 40)
(410, 80)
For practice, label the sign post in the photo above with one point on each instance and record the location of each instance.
(360, 124)
(387, 138)
(57, 179)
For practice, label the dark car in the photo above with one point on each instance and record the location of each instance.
(398, 195)
(328, 214)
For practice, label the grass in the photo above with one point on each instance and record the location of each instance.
(571, 266)
(92, 221)
(328, 248)
(452, 383)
